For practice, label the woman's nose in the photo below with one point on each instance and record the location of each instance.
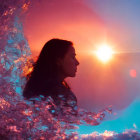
(77, 62)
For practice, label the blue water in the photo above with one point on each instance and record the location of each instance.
(129, 119)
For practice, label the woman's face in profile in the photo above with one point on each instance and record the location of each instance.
(69, 63)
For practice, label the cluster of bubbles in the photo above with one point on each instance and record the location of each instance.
(21, 119)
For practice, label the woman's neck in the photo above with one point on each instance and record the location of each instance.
(60, 78)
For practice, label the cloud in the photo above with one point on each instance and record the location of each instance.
(110, 135)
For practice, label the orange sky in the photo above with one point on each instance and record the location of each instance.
(96, 85)
(66, 19)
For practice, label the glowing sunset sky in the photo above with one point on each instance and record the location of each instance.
(121, 20)
(89, 23)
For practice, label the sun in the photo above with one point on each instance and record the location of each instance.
(104, 53)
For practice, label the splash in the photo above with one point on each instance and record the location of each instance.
(36, 121)
(20, 119)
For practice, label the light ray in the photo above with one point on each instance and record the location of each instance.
(104, 53)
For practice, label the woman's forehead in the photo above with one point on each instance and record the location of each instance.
(72, 50)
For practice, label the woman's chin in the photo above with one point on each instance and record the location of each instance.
(72, 74)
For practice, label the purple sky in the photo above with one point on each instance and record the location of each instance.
(121, 19)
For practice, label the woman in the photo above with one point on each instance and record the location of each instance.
(56, 62)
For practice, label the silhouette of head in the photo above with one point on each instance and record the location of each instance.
(56, 61)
